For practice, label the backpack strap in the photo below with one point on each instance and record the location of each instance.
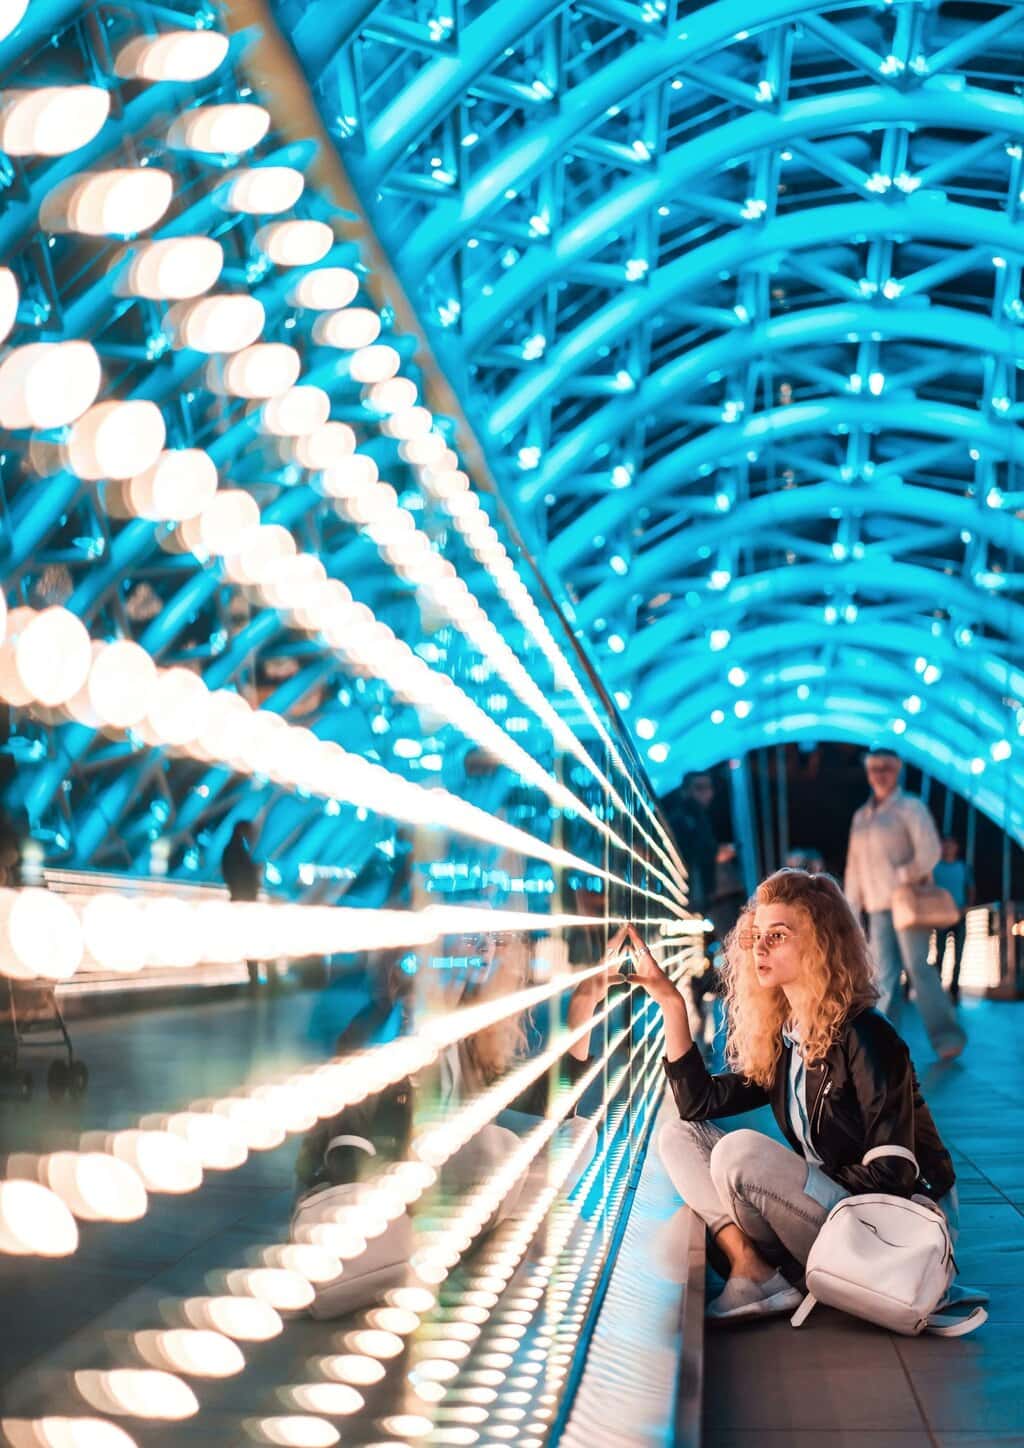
(803, 1312)
(946, 1324)
(358, 1141)
(878, 1151)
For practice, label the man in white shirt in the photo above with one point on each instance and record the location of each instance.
(893, 841)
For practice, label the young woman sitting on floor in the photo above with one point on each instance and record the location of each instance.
(803, 1037)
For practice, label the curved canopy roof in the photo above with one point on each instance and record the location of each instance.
(228, 462)
(732, 295)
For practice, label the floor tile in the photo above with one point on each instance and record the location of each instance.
(979, 1440)
(978, 1390)
(828, 1396)
(815, 1438)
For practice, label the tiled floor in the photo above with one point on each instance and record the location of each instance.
(842, 1384)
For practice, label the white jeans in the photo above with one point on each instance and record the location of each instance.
(750, 1180)
(760, 1185)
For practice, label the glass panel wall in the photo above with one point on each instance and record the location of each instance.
(321, 1094)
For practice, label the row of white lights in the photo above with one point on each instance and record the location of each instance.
(493, 1365)
(443, 477)
(46, 935)
(286, 1281)
(170, 1153)
(373, 506)
(440, 473)
(264, 557)
(47, 658)
(439, 1361)
(252, 1314)
(46, 125)
(124, 441)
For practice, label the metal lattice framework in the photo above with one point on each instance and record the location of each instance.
(733, 296)
(99, 797)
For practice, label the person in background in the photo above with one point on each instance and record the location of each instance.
(688, 811)
(243, 875)
(893, 842)
(956, 876)
(813, 861)
(13, 831)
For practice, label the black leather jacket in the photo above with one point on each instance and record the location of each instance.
(863, 1095)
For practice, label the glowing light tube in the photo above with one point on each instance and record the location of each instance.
(374, 508)
(178, 55)
(160, 1393)
(50, 936)
(287, 753)
(51, 120)
(109, 1176)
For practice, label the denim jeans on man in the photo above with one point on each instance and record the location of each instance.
(896, 950)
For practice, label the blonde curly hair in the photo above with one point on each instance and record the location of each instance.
(839, 976)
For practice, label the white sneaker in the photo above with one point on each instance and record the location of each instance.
(741, 1298)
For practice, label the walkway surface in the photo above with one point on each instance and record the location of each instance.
(838, 1383)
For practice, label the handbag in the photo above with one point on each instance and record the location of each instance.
(923, 907)
(888, 1260)
(382, 1264)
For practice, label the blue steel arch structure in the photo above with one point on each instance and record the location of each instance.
(732, 294)
(100, 800)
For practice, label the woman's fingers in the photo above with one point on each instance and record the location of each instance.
(640, 944)
(615, 944)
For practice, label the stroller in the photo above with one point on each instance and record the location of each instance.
(31, 1020)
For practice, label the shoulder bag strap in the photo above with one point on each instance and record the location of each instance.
(803, 1312)
(945, 1324)
(879, 1151)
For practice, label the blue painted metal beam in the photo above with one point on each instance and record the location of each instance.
(716, 149)
(905, 581)
(797, 231)
(697, 458)
(778, 338)
(887, 498)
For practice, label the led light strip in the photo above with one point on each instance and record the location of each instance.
(452, 487)
(285, 1283)
(50, 935)
(373, 506)
(110, 1176)
(511, 1242)
(48, 658)
(264, 556)
(434, 1146)
(83, 447)
(498, 1368)
(440, 472)
(166, 703)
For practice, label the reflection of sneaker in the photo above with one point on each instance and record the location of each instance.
(741, 1299)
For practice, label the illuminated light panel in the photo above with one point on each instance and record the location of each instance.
(57, 1432)
(137, 1393)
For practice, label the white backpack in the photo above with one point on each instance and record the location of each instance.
(890, 1261)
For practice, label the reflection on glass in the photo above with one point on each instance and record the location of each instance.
(316, 826)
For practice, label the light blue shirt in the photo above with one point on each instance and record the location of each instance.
(819, 1186)
(798, 1117)
(954, 876)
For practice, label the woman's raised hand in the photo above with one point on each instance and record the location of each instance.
(649, 973)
